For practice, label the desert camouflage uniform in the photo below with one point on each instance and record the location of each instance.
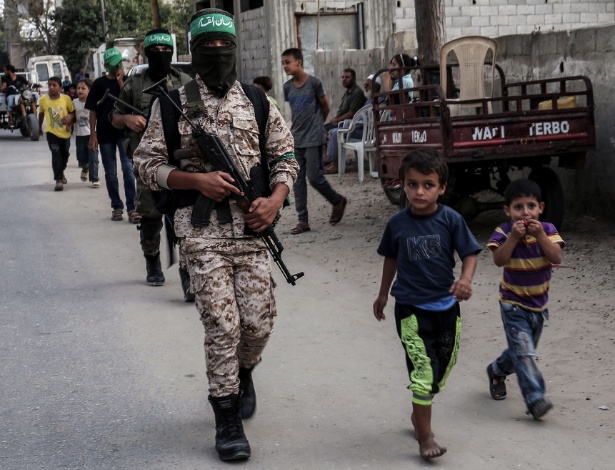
(230, 272)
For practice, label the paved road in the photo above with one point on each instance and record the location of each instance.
(100, 371)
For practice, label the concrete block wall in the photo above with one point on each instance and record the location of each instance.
(590, 52)
(254, 60)
(504, 17)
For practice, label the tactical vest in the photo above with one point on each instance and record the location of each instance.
(143, 101)
(168, 201)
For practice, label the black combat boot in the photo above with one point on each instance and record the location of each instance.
(154, 271)
(248, 394)
(185, 278)
(231, 442)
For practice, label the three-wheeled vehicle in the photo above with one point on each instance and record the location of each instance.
(489, 138)
(24, 115)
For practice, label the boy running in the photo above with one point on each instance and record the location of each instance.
(418, 245)
(58, 112)
(526, 248)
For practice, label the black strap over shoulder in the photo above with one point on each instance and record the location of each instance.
(261, 113)
(170, 117)
(168, 201)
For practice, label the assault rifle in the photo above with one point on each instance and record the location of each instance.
(115, 98)
(212, 149)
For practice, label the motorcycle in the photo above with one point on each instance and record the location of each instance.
(24, 114)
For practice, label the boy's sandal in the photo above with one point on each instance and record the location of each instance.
(134, 217)
(497, 389)
(116, 215)
(300, 228)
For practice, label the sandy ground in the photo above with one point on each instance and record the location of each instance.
(576, 350)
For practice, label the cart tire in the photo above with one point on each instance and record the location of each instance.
(552, 195)
(393, 195)
(33, 127)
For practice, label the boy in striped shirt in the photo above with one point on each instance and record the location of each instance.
(526, 248)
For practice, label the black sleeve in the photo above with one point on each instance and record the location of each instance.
(90, 101)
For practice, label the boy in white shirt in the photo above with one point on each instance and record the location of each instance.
(88, 159)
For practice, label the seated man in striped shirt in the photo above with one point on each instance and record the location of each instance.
(526, 248)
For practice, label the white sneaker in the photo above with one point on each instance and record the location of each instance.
(84, 174)
(95, 184)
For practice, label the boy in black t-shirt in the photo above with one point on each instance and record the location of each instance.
(419, 245)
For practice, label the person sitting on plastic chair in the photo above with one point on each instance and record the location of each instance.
(370, 87)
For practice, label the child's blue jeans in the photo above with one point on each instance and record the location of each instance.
(523, 329)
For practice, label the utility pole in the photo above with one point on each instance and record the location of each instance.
(155, 13)
(104, 22)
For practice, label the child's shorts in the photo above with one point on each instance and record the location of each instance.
(431, 342)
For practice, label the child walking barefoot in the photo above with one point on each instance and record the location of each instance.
(418, 245)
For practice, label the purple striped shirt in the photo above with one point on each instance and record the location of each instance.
(527, 275)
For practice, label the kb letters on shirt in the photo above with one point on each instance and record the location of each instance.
(423, 247)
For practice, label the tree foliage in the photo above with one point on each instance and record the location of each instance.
(81, 29)
(76, 26)
(39, 26)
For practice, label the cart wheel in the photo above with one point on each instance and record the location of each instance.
(552, 195)
(392, 192)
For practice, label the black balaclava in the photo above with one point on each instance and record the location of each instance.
(216, 66)
(159, 62)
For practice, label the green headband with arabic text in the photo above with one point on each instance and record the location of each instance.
(212, 23)
(159, 39)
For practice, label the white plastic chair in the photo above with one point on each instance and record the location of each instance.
(471, 52)
(363, 147)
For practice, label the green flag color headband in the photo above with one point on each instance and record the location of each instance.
(212, 23)
(159, 39)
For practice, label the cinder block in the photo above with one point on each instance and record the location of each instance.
(596, 7)
(507, 30)
(561, 8)
(580, 7)
(573, 18)
(526, 10)
(507, 10)
(481, 21)
(538, 20)
(473, 10)
(517, 20)
(499, 20)
(491, 11)
(589, 18)
(604, 18)
(525, 29)
(405, 24)
(462, 21)
(544, 9)
(554, 19)
(489, 31)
